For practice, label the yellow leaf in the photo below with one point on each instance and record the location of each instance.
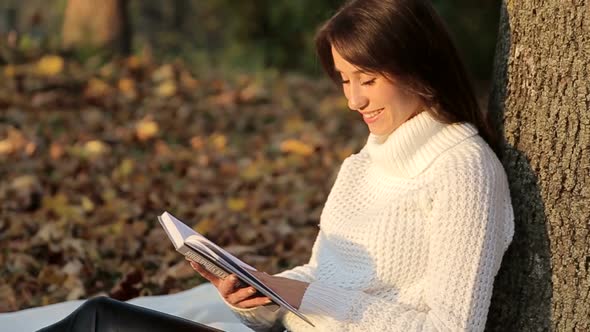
(107, 71)
(204, 226)
(118, 227)
(251, 172)
(296, 147)
(87, 204)
(134, 62)
(219, 141)
(109, 195)
(96, 88)
(95, 148)
(164, 73)
(24, 182)
(236, 204)
(58, 204)
(127, 87)
(6, 147)
(125, 168)
(166, 89)
(146, 129)
(50, 65)
(9, 71)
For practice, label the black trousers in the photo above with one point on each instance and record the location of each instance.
(103, 314)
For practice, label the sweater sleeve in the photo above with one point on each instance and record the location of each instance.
(469, 230)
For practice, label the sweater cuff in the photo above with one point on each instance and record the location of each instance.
(258, 318)
(323, 299)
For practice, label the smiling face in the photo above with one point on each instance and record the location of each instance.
(384, 106)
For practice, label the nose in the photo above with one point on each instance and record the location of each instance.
(356, 100)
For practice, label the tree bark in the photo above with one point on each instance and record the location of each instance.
(97, 24)
(540, 101)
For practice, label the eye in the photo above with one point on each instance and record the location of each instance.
(344, 81)
(369, 82)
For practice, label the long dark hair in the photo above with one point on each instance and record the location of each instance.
(405, 40)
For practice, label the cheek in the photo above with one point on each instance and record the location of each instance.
(345, 91)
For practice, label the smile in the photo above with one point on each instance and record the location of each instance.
(373, 114)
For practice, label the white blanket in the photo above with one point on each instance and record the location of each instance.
(200, 304)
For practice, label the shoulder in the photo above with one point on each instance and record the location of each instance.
(472, 154)
(470, 163)
(470, 181)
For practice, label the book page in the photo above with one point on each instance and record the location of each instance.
(200, 239)
(177, 231)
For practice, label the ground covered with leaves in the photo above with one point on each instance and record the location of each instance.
(91, 153)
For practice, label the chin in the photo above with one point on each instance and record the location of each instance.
(381, 132)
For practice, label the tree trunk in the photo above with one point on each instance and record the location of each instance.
(97, 24)
(540, 101)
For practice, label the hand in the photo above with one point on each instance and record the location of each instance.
(289, 289)
(244, 297)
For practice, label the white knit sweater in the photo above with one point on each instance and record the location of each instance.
(411, 236)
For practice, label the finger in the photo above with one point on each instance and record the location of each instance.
(240, 295)
(206, 274)
(228, 285)
(253, 302)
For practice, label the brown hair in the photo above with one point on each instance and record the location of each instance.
(405, 40)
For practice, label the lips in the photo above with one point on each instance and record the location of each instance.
(371, 112)
(376, 114)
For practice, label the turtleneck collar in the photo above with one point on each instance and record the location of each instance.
(413, 146)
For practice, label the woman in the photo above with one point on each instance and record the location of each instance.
(414, 229)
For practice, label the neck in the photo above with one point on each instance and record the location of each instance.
(414, 145)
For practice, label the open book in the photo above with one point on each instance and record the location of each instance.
(218, 261)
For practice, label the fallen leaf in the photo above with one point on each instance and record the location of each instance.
(146, 129)
(197, 142)
(51, 275)
(9, 71)
(75, 287)
(56, 151)
(134, 62)
(166, 89)
(236, 204)
(8, 297)
(50, 65)
(296, 147)
(219, 141)
(127, 88)
(204, 226)
(95, 148)
(163, 73)
(6, 147)
(96, 88)
(87, 204)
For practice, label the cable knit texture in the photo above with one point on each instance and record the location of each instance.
(411, 236)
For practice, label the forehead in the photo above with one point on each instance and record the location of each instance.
(343, 66)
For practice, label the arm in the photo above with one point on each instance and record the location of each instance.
(468, 235)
